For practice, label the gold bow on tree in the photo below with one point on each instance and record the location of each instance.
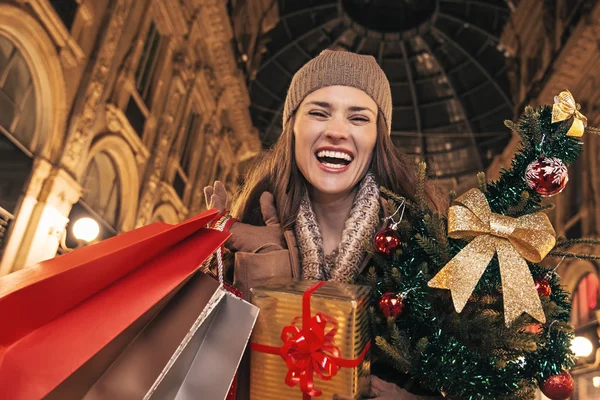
(564, 108)
(515, 240)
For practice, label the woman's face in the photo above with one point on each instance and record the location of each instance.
(335, 130)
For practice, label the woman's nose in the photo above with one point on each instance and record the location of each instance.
(336, 130)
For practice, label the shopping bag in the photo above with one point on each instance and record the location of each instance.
(58, 314)
(190, 350)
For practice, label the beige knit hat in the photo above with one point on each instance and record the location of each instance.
(333, 68)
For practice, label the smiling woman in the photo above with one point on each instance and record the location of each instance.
(335, 139)
(311, 206)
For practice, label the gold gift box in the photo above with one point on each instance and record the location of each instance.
(280, 303)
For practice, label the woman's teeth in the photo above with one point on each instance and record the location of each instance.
(334, 154)
(334, 159)
(336, 166)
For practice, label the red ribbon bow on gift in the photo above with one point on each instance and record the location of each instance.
(310, 350)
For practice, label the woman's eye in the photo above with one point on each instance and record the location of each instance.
(360, 118)
(318, 114)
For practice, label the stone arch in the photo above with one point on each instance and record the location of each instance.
(165, 212)
(573, 272)
(26, 33)
(124, 160)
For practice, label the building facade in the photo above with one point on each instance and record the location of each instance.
(124, 110)
(118, 110)
(560, 52)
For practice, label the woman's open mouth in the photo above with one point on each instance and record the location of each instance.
(334, 160)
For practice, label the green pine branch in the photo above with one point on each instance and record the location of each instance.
(400, 361)
(482, 181)
(533, 210)
(591, 129)
(436, 227)
(452, 195)
(420, 192)
(573, 255)
(532, 127)
(517, 209)
(473, 354)
(432, 248)
(526, 391)
(572, 242)
(391, 195)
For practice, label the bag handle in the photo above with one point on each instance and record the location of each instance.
(223, 225)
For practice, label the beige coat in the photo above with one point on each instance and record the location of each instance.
(252, 269)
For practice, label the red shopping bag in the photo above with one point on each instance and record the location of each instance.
(232, 393)
(57, 315)
(191, 349)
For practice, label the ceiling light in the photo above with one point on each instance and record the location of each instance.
(581, 346)
(86, 229)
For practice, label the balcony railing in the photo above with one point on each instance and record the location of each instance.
(577, 10)
(5, 220)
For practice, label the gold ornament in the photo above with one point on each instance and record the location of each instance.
(564, 108)
(515, 240)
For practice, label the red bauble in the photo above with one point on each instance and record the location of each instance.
(543, 287)
(387, 241)
(534, 328)
(391, 304)
(547, 176)
(558, 387)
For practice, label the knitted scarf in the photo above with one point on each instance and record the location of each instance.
(343, 264)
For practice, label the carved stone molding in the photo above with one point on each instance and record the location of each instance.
(168, 213)
(571, 69)
(40, 171)
(215, 24)
(170, 17)
(124, 161)
(576, 57)
(168, 195)
(117, 122)
(166, 133)
(60, 190)
(214, 20)
(85, 115)
(184, 67)
(39, 51)
(71, 54)
(42, 216)
(198, 202)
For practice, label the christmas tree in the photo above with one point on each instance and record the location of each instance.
(502, 329)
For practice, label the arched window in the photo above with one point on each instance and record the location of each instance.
(158, 218)
(186, 149)
(585, 300)
(17, 97)
(102, 188)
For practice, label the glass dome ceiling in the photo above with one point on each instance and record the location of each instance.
(447, 70)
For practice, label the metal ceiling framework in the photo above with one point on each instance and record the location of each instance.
(461, 98)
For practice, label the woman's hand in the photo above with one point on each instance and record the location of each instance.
(245, 237)
(216, 196)
(382, 390)
(258, 239)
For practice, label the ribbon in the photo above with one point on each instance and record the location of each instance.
(310, 350)
(514, 240)
(564, 108)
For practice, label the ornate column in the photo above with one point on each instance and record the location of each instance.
(42, 218)
(184, 74)
(213, 141)
(86, 107)
(216, 27)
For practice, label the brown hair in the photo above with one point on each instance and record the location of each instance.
(276, 171)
